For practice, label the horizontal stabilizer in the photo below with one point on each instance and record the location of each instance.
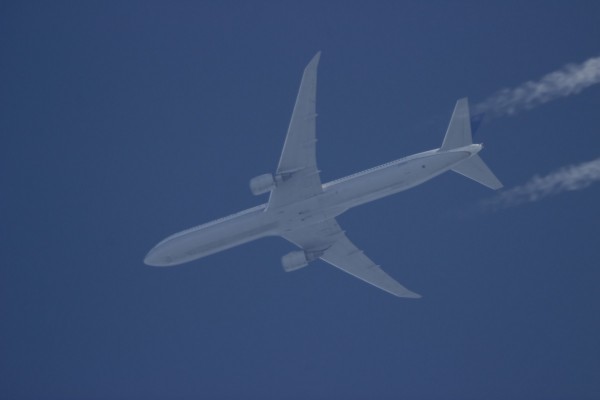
(474, 168)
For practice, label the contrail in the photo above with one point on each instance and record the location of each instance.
(573, 177)
(570, 79)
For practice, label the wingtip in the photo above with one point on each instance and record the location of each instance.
(314, 62)
(316, 57)
(409, 295)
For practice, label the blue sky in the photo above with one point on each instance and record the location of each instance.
(124, 122)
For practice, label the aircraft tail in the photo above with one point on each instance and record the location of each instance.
(459, 135)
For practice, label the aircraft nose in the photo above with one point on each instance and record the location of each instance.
(150, 258)
(154, 258)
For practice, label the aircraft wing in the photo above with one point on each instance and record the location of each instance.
(327, 241)
(297, 169)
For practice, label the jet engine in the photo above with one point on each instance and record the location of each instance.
(262, 184)
(293, 261)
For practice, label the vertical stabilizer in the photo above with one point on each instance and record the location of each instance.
(459, 129)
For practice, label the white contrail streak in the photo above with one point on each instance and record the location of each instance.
(573, 177)
(570, 79)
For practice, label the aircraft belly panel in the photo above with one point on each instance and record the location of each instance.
(392, 179)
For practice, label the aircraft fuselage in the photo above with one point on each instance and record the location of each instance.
(337, 197)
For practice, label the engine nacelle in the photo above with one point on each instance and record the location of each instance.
(293, 261)
(262, 184)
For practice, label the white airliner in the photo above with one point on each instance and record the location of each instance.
(302, 210)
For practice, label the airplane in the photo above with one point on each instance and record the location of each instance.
(302, 210)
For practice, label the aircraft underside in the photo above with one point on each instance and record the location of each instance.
(302, 210)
